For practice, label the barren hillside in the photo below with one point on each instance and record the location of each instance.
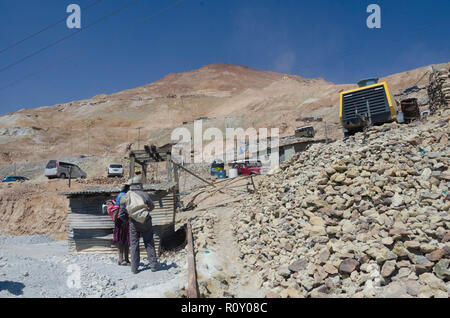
(232, 96)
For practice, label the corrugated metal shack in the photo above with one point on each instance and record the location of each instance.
(92, 231)
(288, 146)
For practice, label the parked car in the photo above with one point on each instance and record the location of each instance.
(60, 169)
(305, 131)
(15, 179)
(115, 170)
(247, 167)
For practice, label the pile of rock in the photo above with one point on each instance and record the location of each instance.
(212, 281)
(203, 231)
(439, 88)
(349, 219)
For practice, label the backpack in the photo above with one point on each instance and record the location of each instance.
(136, 207)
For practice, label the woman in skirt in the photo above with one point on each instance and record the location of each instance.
(122, 234)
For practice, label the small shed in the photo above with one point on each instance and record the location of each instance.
(292, 145)
(92, 231)
(287, 147)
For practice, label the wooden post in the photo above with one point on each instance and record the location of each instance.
(144, 173)
(169, 168)
(131, 173)
(251, 178)
(192, 273)
(176, 177)
(70, 175)
(177, 186)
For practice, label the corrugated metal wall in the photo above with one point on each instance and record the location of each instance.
(90, 231)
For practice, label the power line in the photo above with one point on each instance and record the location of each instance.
(44, 29)
(68, 36)
(130, 26)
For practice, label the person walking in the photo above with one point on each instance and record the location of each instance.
(135, 207)
(121, 234)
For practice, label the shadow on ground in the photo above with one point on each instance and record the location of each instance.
(14, 288)
(162, 266)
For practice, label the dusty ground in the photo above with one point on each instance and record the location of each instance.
(219, 268)
(36, 208)
(37, 266)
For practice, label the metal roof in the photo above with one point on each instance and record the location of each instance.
(109, 190)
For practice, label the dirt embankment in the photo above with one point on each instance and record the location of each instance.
(30, 209)
(37, 208)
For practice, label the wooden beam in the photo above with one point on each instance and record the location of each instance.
(254, 187)
(190, 172)
(176, 178)
(144, 173)
(177, 187)
(169, 169)
(192, 291)
(131, 173)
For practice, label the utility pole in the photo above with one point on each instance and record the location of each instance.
(71, 147)
(326, 132)
(89, 136)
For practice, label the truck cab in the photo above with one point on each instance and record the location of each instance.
(247, 167)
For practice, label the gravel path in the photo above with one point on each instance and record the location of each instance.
(37, 266)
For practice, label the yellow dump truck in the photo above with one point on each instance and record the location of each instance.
(371, 103)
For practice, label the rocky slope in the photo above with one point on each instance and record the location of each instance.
(355, 219)
(230, 95)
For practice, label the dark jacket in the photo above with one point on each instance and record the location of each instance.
(123, 213)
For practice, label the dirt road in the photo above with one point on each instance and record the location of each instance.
(38, 266)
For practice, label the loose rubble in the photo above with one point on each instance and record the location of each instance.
(350, 219)
(209, 277)
(203, 231)
(439, 88)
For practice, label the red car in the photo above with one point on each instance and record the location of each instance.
(247, 167)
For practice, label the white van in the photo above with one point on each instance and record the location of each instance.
(59, 169)
(115, 170)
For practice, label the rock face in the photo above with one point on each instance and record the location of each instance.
(360, 220)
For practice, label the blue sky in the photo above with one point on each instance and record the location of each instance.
(321, 38)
